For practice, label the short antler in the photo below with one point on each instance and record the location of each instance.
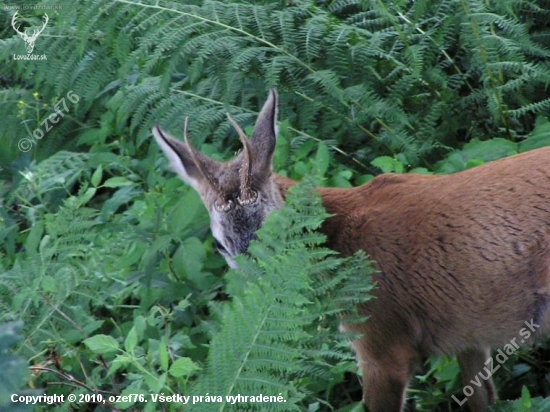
(223, 205)
(36, 32)
(46, 19)
(16, 28)
(247, 195)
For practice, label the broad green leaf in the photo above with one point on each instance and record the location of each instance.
(155, 383)
(44, 243)
(88, 194)
(140, 325)
(322, 159)
(476, 152)
(163, 354)
(189, 259)
(305, 149)
(96, 176)
(388, 164)
(182, 367)
(90, 327)
(539, 137)
(361, 180)
(131, 340)
(282, 149)
(9, 332)
(102, 344)
(119, 362)
(473, 163)
(117, 181)
(34, 236)
(48, 284)
(421, 170)
(525, 398)
(184, 212)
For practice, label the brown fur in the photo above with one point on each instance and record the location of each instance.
(462, 259)
(463, 262)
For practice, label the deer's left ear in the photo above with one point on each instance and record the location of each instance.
(264, 137)
(193, 167)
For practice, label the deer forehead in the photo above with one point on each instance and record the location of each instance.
(229, 182)
(227, 176)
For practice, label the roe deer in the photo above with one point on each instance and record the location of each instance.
(463, 259)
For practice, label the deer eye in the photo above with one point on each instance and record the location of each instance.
(248, 199)
(223, 207)
(219, 247)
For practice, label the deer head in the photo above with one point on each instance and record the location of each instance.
(238, 194)
(29, 40)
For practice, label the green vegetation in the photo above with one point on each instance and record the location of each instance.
(107, 260)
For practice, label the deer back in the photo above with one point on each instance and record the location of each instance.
(462, 258)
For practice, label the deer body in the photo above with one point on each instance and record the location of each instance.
(463, 259)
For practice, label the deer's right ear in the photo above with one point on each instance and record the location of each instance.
(182, 159)
(264, 137)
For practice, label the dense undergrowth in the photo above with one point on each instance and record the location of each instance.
(108, 279)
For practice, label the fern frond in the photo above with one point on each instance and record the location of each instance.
(269, 334)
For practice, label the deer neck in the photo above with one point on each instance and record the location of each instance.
(336, 201)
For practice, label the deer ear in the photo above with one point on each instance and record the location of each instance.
(187, 163)
(264, 137)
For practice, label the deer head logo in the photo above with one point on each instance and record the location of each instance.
(29, 39)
